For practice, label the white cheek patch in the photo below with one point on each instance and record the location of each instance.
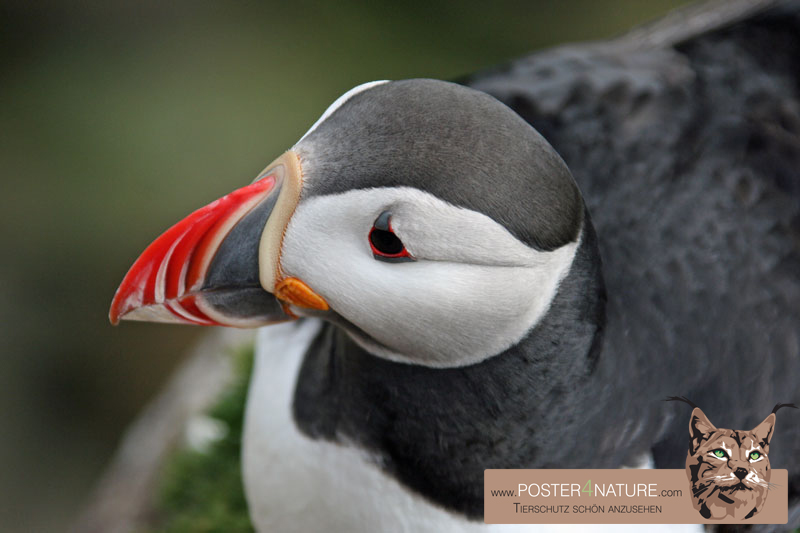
(474, 291)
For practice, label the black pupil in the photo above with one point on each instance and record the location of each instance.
(385, 242)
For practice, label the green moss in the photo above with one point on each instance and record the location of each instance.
(202, 490)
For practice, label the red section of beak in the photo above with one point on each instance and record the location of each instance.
(171, 270)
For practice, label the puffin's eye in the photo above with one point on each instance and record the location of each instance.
(386, 246)
(385, 242)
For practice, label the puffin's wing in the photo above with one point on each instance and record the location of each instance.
(685, 140)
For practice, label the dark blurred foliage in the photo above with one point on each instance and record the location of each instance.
(117, 119)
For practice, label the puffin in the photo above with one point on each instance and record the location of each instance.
(435, 304)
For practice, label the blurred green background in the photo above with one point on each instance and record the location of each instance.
(117, 119)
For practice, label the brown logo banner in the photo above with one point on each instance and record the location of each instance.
(609, 497)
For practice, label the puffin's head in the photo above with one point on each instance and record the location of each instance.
(426, 219)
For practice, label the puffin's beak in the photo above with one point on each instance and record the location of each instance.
(220, 265)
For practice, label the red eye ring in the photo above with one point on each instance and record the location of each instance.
(385, 244)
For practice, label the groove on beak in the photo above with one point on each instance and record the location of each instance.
(205, 270)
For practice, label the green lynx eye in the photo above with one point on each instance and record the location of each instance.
(719, 453)
(754, 456)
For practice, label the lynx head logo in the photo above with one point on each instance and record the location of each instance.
(729, 470)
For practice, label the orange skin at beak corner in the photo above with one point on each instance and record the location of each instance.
(295, 292)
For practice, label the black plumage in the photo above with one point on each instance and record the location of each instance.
(686, 147)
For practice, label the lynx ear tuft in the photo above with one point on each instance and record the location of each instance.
(700, 427)
(778, 406)
(764, 430)
(683, 399)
